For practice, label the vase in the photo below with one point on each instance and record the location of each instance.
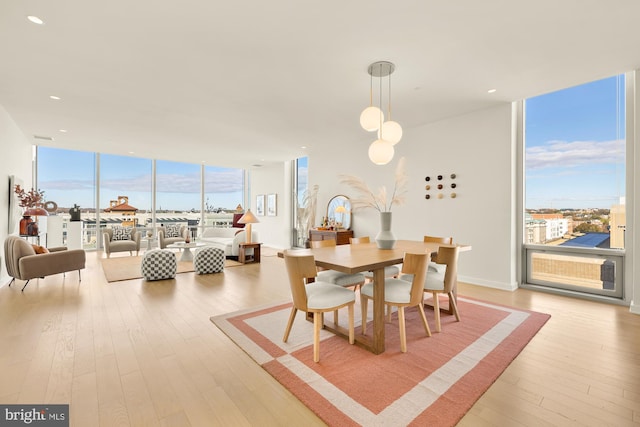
(385, 238)
(24, 225)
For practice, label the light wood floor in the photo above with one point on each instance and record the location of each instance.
(146, 354)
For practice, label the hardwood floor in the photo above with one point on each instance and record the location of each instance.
(145, 354)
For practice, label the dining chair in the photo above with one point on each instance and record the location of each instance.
(433, 265)
(401, 293)
(443, 283)
(341, 279)
(336, 277)
(314, 297)
(389, 271)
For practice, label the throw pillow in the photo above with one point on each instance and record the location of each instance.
(40, 249)
(121, 233)
(173, 230)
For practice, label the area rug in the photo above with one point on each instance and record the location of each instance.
(435, 383)
(129, 267)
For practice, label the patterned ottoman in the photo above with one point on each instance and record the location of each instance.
(209, 260)
(159, 264)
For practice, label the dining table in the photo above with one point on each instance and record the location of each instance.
(368, 257)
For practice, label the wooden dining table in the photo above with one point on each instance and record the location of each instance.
(367, 257)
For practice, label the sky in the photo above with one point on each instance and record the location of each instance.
(575, 149)
(68, 178)
(574, 158)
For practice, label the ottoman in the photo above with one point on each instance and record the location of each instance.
(209, 260)
(159, 264)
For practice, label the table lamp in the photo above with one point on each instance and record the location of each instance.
(340, 210)
(248, 218)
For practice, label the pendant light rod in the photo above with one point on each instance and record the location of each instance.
(380, 101)
(389, 100)
(371, 91)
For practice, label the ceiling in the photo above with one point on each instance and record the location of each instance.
(246, 83)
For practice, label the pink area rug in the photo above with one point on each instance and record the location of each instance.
(434, 383)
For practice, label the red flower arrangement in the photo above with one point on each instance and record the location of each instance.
(31, 199)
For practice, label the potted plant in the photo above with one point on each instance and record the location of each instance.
(380, 202)
(32, 201)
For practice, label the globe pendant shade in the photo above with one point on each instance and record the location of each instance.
(370, 118)
(381, 152)
(391, 131)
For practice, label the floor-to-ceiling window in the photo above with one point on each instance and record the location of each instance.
(302, 197)
(223, 192)
(125, 191)
(121, 192)
(68, 179)
(574, 161)
(178, 193)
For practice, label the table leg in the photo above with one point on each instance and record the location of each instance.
(378, 311)
(186, 255)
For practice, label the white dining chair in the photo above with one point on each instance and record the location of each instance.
(314, 297)
(443, 283)
(401, 293)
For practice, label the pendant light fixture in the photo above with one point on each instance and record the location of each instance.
(381, 151)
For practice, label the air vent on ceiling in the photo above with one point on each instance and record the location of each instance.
(256, 166)
(45, 138)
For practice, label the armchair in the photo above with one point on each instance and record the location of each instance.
(23, 263)
(164, 240)
(130, 243)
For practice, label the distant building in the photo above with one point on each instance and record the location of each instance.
(123, 208)
(617, 223)
(535, 230)
(590, 240)
(556, 225)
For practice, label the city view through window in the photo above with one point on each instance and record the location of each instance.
(125, 194)
(575, 164)
(575, 180)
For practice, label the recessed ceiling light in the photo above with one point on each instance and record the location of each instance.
(63, 130)
(57, 98)
(131, 152)
(35, 19)
(491, 90)
(304, 147)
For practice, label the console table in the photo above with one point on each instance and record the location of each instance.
(340, 236)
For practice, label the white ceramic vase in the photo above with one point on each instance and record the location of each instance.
(385, 238)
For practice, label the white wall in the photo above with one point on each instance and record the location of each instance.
(15, 160)
(478, 148)
(274, 231)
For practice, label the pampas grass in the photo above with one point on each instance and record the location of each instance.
(378, 201)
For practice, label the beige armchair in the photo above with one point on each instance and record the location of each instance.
(163, 241)
(132, 243)
(23, 263)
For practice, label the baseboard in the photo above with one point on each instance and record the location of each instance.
(634, 307)
(487, 283)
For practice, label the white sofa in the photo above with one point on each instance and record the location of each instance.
(227, 239)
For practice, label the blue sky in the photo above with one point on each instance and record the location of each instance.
(575, 149)
(68, 178)
(574, 159)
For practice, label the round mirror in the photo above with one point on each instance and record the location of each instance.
(339, 209)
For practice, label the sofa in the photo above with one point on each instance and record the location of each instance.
(228, 239)
(23, 263)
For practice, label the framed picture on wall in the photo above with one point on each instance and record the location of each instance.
(271, 205)
(260, 204)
